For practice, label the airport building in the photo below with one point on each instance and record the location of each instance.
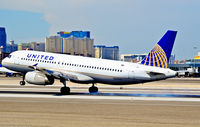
(189, 67)
(72, 43)
(104, 52)
(3, 38)
(132, 57)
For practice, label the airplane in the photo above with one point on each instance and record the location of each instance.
(42, 68)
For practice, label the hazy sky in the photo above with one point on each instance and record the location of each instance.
(134, 25)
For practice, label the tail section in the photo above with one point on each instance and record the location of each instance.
(160, 54)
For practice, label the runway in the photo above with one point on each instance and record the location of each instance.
(173, 102)
(107, 93)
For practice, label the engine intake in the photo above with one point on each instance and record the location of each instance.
(39, 78)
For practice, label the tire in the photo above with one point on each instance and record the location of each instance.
(65, 90)
(22, 83)
(93, 89)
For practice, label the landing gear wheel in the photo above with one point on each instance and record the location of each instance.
(22, 83)
(65, 90)
(93, 89)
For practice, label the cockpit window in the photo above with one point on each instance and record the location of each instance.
(9, 56)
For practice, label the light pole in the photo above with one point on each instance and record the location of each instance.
(194, 60)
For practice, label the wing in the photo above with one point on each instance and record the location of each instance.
(70, 76)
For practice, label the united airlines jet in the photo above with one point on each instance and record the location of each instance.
(42, 68)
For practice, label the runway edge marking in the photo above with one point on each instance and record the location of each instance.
(102, 97)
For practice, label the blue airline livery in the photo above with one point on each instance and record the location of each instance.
(42, 68)
(41, 57)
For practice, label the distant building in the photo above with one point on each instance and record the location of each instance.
(53, 44)
(78, 46)
(73, 43)
(197, 57)
(3, 38)
(11, 47)
(36, 46)
(176, 62)
(2, 54)
(76, 34)
(133, 57)
(138, 57)
(104, 52)
(172, 59)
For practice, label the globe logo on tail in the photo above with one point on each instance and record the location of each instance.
(156, 58)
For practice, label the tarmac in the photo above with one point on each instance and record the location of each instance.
(173, 102)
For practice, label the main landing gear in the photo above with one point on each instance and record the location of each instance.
(64, 90)
(22, 83)
(93, 89)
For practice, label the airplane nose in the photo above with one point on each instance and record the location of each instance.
(3, 62)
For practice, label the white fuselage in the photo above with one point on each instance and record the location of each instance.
(101, 70)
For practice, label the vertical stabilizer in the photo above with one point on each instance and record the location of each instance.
(160, 54)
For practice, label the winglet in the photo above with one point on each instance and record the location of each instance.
(159, 56)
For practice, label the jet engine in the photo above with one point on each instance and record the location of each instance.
(39, 78)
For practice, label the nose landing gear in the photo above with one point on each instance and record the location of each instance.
(22, 83)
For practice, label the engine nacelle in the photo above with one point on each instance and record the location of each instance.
(38, 78)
